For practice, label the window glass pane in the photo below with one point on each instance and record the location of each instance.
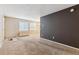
(23, 26)
(32, 26)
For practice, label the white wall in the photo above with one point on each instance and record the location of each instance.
(1, 29)
(11, 27)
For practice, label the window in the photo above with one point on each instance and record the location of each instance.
(23, 26)
(32, 26)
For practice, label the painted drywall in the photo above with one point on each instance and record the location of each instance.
(62, 26)
(12, 27)
(1, 29)
(36, 31)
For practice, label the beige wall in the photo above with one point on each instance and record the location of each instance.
(37, 29)
(12, 27)
(1, 29)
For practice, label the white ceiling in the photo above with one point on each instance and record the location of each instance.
(31, 11)
(24, 11)
(51, 8)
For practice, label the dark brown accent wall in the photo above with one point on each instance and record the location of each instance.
(62, 26)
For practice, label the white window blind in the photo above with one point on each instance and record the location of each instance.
(23, 26)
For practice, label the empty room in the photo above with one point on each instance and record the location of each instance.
(39, 29)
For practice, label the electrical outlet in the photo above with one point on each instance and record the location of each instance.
(53, 37)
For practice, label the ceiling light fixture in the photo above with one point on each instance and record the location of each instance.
(72, 10)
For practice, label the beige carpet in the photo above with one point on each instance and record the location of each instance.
(29, 46)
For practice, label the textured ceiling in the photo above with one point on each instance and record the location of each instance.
(31, 11)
